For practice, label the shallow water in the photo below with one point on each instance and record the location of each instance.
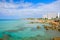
(22, 30)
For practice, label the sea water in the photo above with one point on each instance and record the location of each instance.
(22, 30)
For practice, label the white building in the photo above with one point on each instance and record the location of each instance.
(58, 15)
(51, 15)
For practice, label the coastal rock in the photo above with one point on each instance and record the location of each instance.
(59, 30)
(12, 31)
(46, 27)
(6, 37)
(1, 39)
(21, 29)
(56, 38)
(38, 27)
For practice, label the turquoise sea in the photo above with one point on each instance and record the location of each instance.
(22, 30)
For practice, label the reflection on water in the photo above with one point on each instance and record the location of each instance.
(23, 30)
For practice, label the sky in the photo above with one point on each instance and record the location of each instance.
(15, 9)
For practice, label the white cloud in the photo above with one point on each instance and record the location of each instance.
(28, 8)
